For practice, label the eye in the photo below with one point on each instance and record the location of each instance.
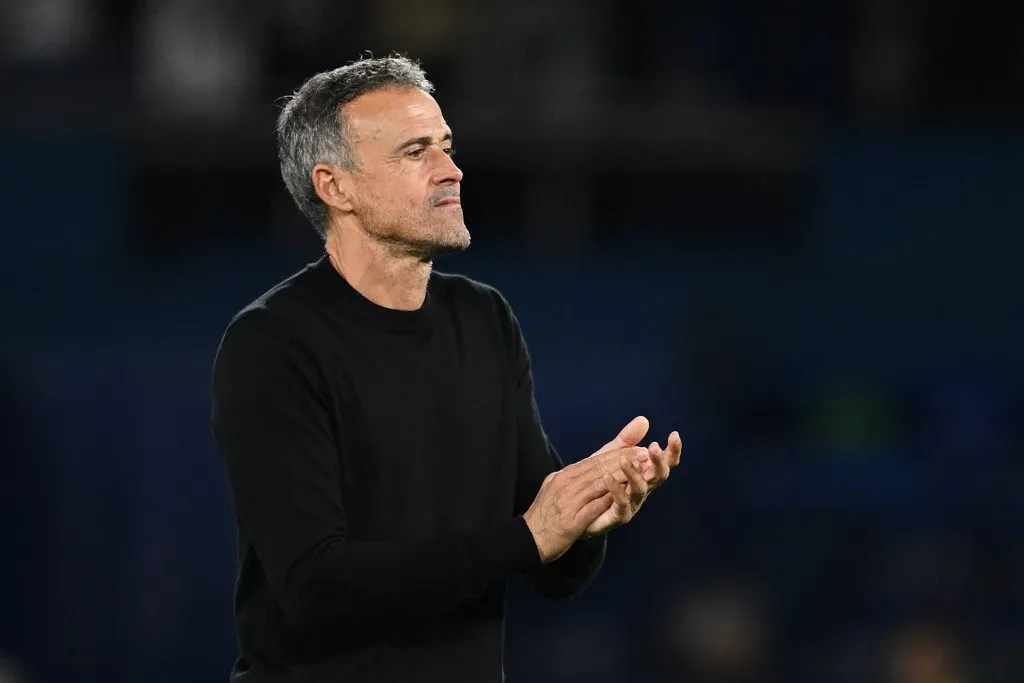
(416, 153)
(450, 151)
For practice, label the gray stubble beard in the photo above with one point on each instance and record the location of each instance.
(424, 250)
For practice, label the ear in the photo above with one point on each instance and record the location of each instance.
(334, 186)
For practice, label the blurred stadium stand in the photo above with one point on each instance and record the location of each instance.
(792, 230)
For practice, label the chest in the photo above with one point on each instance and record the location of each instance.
(425, 433)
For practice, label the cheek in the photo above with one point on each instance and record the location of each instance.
(396, 197)
(415, 197)
(407, 189)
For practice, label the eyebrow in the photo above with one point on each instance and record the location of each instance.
(423, 140)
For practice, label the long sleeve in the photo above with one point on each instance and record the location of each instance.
(272, 426)
(570, 574)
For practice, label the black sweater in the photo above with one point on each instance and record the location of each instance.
(379, 464)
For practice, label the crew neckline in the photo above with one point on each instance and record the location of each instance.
(390, 318)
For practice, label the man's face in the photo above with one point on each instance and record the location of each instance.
(407, 190)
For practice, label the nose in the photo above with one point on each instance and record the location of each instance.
(446, 172)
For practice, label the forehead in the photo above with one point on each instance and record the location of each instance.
(393, 113)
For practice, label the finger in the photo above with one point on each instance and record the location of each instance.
(646, 466)
(621, 497)
(608, 461)
(620, 477)
(661, 461)
(675, 448)
(638, 456)
(630, 435)
(581, 492)
(637, 486)
(617, 474)
(589, 513)
(585, 487)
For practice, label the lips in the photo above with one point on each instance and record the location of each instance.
(449, 201)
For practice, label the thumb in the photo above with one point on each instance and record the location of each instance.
(632, 434)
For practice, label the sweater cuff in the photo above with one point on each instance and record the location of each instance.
(520, 546)
(589, 548)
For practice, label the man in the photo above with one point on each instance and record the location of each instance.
(377, 419)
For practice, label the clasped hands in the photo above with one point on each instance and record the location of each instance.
(600, 492)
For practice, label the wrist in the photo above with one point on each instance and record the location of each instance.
(538, 539)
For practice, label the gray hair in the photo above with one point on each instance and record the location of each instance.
(311, 128)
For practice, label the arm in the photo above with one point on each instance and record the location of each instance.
(570, 574)
(272, 427)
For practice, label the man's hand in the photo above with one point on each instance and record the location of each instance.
(571, 499)
(628, 498)
(628, 493)
(662, 462)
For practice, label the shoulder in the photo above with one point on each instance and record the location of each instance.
(490, 308)
(274, 319)
(286, 303)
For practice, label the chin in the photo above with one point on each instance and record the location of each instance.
(462, 238)
(455, 237)
(450, 246)
(448, 242)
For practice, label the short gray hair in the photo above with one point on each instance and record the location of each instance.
(311, 128)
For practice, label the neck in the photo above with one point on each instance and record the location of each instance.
(384, 273)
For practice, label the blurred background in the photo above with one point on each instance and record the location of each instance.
(791, 230)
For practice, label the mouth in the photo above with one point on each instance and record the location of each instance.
(449, 201)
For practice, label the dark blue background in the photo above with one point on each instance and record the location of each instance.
(841, 350)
